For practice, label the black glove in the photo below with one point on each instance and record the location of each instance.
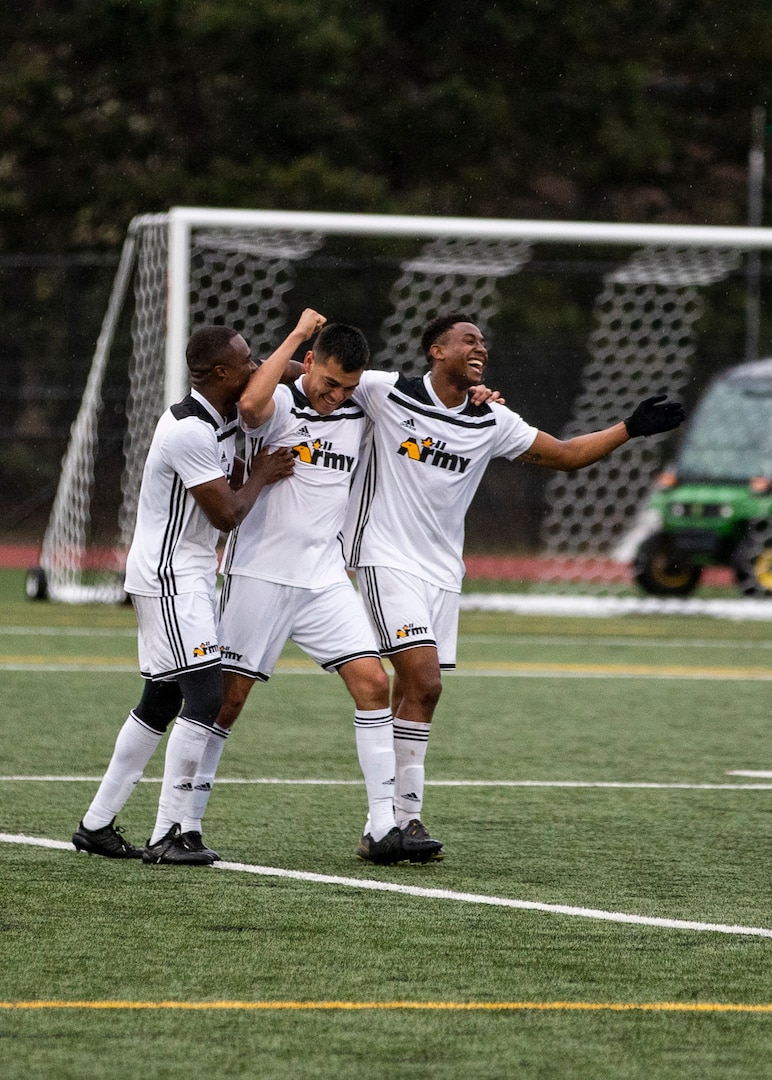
(651, 417)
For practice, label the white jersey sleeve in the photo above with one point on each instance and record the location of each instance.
(425, 464)
(174, 549)
(191, 451)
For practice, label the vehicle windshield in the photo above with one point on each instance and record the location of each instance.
(730, 437)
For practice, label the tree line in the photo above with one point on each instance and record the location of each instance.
(622, 111)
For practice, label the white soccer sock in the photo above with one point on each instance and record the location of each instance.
(410, 741)
(204, 779)
(133, 749)
(184, 750)
(375, 748)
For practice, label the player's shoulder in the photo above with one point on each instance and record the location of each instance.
(188, 427)
(191, 408)
(378, 378)
(413, 387)
(374, 385)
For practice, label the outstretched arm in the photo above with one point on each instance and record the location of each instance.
(256, 403)
(652, 417)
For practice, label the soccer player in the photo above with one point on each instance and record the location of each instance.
(286, 562)
(285, 576)
(190, 492)
(405, 528)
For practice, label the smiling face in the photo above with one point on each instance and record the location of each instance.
(459, 356)
(326, 384)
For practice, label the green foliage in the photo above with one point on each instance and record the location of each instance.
(532, 108)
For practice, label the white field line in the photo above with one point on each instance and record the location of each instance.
(741, 610)
(445, 894)
(623, 784)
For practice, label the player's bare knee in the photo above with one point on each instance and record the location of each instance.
(426, 692)
(378, 688)
(235, 693)
(371, 693)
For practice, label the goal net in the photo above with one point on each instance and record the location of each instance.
(583, 321)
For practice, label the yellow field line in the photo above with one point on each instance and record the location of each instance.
(670, 670)
(686, 670)
(86, 661)
(461, 1006)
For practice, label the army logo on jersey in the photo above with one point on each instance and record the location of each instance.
(408, 630)
(205, 648)
(433, 452)
(321, 452)
(228, 654)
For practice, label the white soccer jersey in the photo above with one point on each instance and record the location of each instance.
(292, 534)
(174, 549)
(424, 466)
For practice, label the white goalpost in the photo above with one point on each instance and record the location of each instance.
(250, 269)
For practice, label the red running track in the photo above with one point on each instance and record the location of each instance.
(502, 567)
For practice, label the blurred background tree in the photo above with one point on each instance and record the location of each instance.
(515, 108)
(567, 109)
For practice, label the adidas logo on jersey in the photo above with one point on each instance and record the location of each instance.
(433, 452)
(409, 423)
(303, 432)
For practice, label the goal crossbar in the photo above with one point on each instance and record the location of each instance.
(578, 232)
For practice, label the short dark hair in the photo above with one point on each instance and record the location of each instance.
(206, 347)
(346, 344)
(439, 326)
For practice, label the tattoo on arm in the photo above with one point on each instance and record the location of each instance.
(530, 457)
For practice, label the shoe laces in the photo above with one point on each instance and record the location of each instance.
(416, 830)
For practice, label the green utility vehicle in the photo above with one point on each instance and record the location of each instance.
(715, 505)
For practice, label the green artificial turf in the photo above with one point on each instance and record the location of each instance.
(273, 975)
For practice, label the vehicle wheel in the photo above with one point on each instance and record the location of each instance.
(661, 571)
(752, 560)
(36, 584)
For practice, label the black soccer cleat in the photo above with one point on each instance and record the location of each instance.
(172, 851)
(194, 841)
(418, 845)
(384, 852)
(106, 841)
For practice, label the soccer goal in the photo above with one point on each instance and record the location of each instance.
(583, 320)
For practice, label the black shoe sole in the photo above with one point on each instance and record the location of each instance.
(426, 857)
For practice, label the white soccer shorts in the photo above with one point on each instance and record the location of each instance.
(176, 634)
(407, 612)
(258, 617)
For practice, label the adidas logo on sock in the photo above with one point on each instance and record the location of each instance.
(411, 795)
